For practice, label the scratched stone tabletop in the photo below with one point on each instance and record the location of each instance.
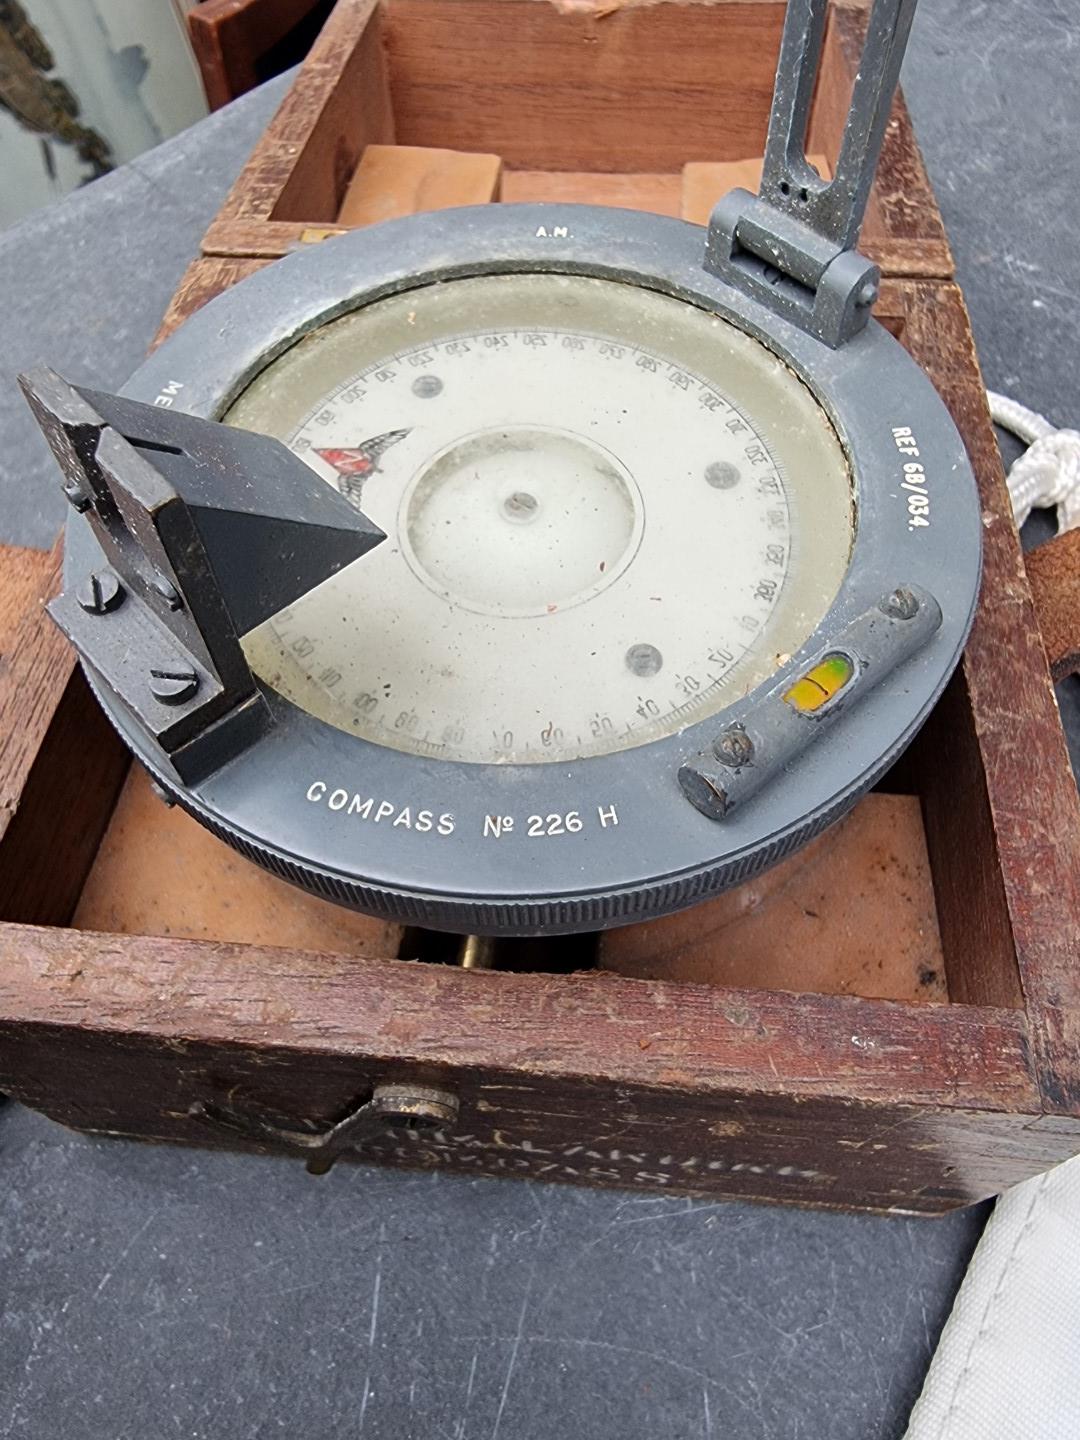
(151, 1291)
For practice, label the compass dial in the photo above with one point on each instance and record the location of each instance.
(609, 514)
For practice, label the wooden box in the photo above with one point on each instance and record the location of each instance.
(594, 100)
(890, 1021)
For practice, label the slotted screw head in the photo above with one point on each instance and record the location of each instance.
(168, 592)
(173, 684)
(76, 496)
(100, 592)
(902, 604)
(734, 748)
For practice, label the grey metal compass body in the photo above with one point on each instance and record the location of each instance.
(595, 561)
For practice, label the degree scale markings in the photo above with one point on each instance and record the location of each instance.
(570, 344)
(673, 426)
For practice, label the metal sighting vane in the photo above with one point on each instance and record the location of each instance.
(208, 531)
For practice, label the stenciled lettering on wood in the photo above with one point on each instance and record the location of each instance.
(581, 1162)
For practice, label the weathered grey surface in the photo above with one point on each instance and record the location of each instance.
(84, 283)
(992, 89)
(156, 1292)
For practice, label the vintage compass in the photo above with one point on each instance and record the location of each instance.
(532, 567)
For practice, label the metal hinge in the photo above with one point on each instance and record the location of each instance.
(792, 246)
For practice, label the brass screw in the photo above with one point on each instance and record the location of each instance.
(477, 952)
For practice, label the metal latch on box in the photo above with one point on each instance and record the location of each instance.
(402, 1107)
(792, 246)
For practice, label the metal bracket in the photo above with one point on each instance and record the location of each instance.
(403, 1106)
(792, 246)
(764, 738)
(207, 531)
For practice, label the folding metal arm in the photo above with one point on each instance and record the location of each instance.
(792, 246)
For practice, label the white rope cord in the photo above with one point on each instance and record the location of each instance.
(1048, 472)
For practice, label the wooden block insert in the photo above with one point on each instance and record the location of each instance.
(158, 872)
(852, 914)
(659, 193)
(396, 180)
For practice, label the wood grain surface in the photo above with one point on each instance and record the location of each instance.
(61, 764)
(1031, 795)
(34, 664)
(657, 193)
(1053, 571)
(201, 281)
(231, 38)
(339, 103)
(614, 90)
(543, 1064)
